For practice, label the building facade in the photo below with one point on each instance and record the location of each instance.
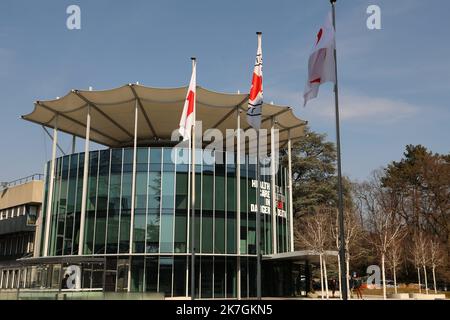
(152, 252)
(20, 206)
(120, 219)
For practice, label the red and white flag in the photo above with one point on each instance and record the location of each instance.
(255, 101)
(321, 66)
(188, 117)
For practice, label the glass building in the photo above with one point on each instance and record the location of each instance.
(152, 252)
(123, 214)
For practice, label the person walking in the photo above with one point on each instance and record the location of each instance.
(333, 285)
(355, 285)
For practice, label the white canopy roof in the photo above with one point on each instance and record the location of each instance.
(112, 114)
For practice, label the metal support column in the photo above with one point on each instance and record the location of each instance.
(238, 198)
(291, 200)
(272, 187)
(51, 175)
(133, 190)
(133, 179)
(85, 181)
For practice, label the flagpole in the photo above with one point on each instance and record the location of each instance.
(193, 196)
(258, 221)
(258, 214)
(340, 189)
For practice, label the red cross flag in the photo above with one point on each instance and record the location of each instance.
(321, 66)
(188, 116)
(255, 100)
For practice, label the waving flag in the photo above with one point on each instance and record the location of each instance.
(256, 92)
(321, 67)
(188, 116)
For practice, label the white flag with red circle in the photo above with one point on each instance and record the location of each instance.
(321, 66)
(255, 101)
(188, 116)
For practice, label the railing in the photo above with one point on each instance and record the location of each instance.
(33, 177)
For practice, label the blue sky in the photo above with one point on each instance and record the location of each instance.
(394, 82)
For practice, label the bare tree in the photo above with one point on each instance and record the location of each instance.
(313, 234)
(420, 257)
(383, 224)
(353, 232)
(415, 259)
(436, 258)
(394, 256)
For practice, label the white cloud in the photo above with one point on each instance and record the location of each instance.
(365, 108)
(353, 107)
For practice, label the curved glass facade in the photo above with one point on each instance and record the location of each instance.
(149, 251)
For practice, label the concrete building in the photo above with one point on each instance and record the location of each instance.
(20, 206)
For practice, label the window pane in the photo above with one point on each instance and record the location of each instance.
(122, 274)
(165, 276)
(137, 274)
(125, 212)
(167, 212)
(220, 192)
(231, 277)
(102, 202)
(140, 210)
(207, 277)
(244, 278)
(207, 231)
(219, 277)
(219, 240)
(182, 190)
(151, 274)
(180, 231)
(91, 203)
(77, 216)
(208, 191)
(155, 159)
(114, 201)
(179, 277)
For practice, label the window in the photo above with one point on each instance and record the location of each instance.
(140, 200)
(207, 213)
(151, 274)
(165, 275)
(31, 214)
(91, 203)
(207, 232)
(167, 213)
(231, 277)
(102, 202)
(219, 277)
(181, 213)
(207, 277)
(137, 274)
(154, 201)
(180, 231)
(114, 201)
(179, 276)
(125, 212)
